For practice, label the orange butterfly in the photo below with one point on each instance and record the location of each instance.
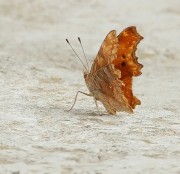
(110, 78)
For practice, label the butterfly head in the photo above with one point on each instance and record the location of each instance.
(87, 79)
(86, 74)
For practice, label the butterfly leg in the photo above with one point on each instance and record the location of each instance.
(97, 106)
(76, 98)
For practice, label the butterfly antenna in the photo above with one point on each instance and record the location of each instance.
(76, 54)
(83, 52)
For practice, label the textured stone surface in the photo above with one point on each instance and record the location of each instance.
(39, 78)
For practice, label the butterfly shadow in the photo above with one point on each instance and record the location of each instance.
(84, 112)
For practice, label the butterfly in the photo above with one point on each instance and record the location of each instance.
(110, 77)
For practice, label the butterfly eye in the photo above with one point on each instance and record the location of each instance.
(123, 63)
(85, 75)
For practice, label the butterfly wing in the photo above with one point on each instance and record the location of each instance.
(106, 86)
(107, 52)
(127, 63)
(126, 59)
(115, 49)
(117, 52)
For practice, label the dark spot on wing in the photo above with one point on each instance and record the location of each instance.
(123, 63)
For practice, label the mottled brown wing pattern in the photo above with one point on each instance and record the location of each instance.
(107, 52)
(106, 87)
(110, 78)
